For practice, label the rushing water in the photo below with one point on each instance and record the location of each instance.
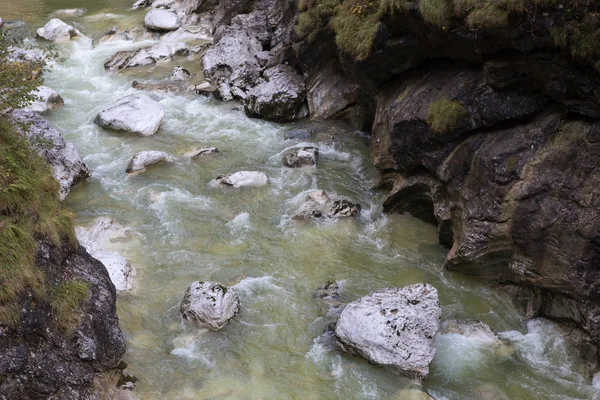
(187, 230)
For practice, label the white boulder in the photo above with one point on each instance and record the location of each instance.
(161, 20)
(99, 242)
(47, 100)
(209, 304)
(243, 178)
(57, 31)
(141, 160)
(393, 327)
(136, 113)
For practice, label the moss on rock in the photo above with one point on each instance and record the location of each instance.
(444, 115)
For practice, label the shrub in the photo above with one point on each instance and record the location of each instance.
(487, 16)
(444, 115)
(355, 24)
(436, 12)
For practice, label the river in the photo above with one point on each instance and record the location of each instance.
(187, 230)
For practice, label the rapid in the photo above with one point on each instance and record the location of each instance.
(187, 230)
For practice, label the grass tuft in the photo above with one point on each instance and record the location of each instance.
(436, 12)
(356, 23)
(66, 301)
(444, 115)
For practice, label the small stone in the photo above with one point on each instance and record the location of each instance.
(318, 196)
(302, 157)
(141, 160)
(243, 178)
(201, 151)
(180, 74)
(209, 304)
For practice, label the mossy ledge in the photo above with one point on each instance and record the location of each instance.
(444, 115)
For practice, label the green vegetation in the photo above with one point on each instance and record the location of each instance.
(436, 12)
(356, 22)
(444, 115)
(29, 203)
(66, 300)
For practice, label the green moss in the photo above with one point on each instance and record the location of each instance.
(512, 162)
(436, 12)
(444, 115)
(66, 301)
(487, 16)
(355, 24)
(314, 16)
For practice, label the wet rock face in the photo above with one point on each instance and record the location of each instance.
(209, 304)
(57, 364)
(136, 113)
(394, 328)
(302, 157)
(68, 168)
(508, 200)
(280, 96)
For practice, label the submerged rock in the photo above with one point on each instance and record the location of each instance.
(68, 168)
(161, 20)
(97, 241)
(47, 100)
(136, 113)
(394, 328)
(57, 31)
(243, 178)
(302, 157)
(209, 304)
(329, 296)
(141, 160)
(279, 96)
(318, 204)
(344, 208)
(413, 394)
(201, 151)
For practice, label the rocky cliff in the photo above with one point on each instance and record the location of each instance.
(484, 120)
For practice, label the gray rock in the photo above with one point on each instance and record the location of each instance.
(209, 304)
(189, 34)
(115, 34)
(302, 157)
(243, 178)
(99, 241)
(180, 74)
(280, 96)
(175, 87)
(204, 88)
(136, 113)
(161, 20)
(159, 52)
(141, 160)
(344, 208)
(201, 151)
(318, 204)
(301, 133)
(412, 394)
(393, 327)
(68, 169)
(47, 100)
(57, 31)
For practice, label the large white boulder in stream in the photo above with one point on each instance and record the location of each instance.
(136, 113)
(209, 304)
(141, 160)
(243, 178)
(57, 31)
(394, 328)
(47, 100)
(161, 20)
(99, 241)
